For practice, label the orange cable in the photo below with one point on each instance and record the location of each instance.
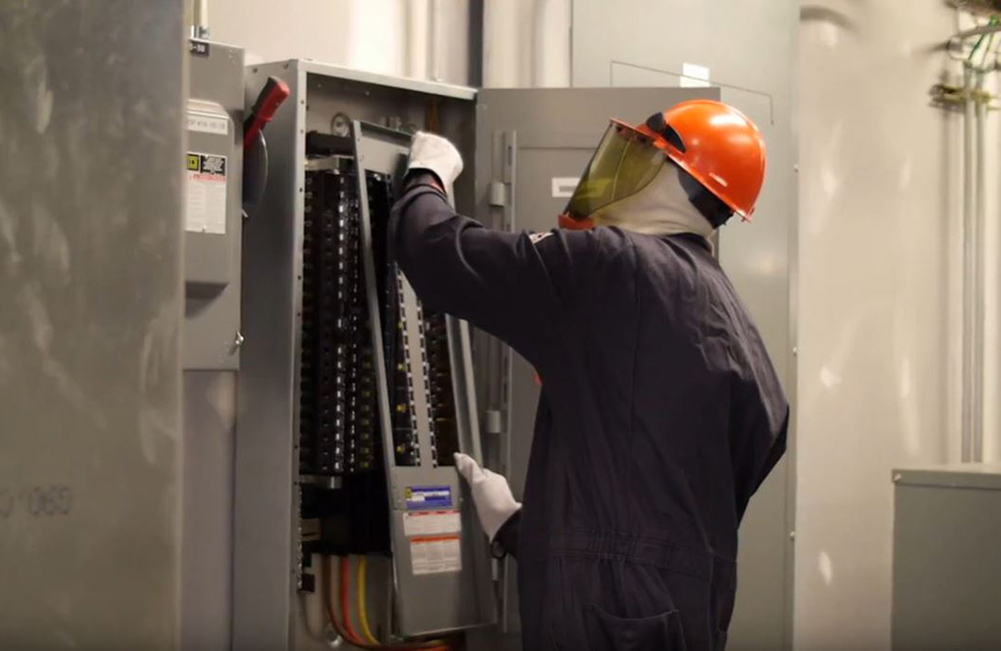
(346, 633)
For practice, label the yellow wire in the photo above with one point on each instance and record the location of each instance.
(362, 607)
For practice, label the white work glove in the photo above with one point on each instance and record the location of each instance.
(491, 494)
(437, 154)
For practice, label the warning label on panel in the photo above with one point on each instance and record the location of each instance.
(429, 523)
(205, 211)
(435, 555)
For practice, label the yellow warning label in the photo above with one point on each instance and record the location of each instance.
(193, 161)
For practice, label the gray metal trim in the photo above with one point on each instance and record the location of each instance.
(981, 476)
(461, 358)
(384, 150)
(417, 85)
(375, 325)
(509, 176)
(266, 456)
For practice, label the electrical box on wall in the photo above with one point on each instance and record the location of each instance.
(213, 166)
(946, 568)
(353, 396)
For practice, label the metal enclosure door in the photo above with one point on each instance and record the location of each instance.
(531, 147)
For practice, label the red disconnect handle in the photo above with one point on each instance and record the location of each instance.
(272, 95)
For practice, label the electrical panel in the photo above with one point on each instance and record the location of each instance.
(353, 397)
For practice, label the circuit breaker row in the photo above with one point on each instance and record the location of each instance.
(337, 415)
(340, 437)
(441, 395)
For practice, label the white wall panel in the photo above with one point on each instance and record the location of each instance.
(426, 39)
(878, 298)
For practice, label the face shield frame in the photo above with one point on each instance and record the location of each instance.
(626, 160)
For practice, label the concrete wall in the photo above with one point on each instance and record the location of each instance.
(526, 43)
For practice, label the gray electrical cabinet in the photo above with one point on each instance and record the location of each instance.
(213, 163)
(337, 151)
(90, 351)
(947, 557)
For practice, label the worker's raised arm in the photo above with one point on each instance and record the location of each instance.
(494, 279)
(499, 281)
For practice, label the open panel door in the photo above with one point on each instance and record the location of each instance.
(531, 147)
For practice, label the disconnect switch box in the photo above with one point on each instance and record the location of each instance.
(213, 163)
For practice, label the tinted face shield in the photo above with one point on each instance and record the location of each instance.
(624, 163)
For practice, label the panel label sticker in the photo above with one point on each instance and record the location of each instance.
(206, 123)
(435, 555)
(431, 523)
(198, 48)
(428, 497)
(563, 186)
(205, 209)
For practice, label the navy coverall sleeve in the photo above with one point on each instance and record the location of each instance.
(507, 536)
(494, 279)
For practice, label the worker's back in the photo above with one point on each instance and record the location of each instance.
(660, 416)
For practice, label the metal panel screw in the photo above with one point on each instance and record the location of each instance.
(238, 340)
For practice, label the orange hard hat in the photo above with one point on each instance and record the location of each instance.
(717, 145)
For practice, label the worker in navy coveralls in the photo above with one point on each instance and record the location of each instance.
(660, 413)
